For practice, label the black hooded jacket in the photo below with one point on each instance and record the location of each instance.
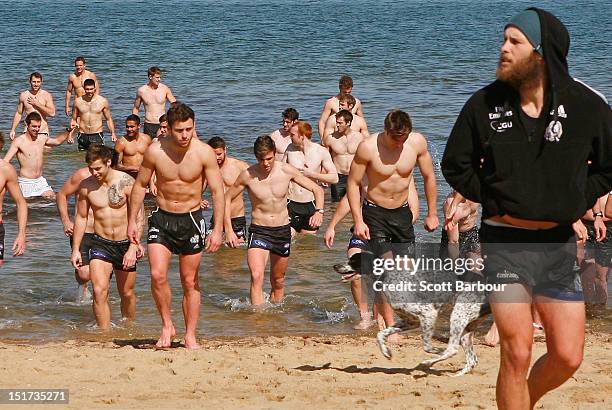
(491, 158)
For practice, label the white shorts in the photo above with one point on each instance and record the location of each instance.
(33, 187)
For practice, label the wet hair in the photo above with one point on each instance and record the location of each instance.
(163, 118)
(33, 116)
(291, 114)
(1, 140)
(133, 117)
(349, 99)
(179, 112)
(89, 82)
(346, 114)
(81, 59)
(216, 142)
(153, 70)
(263, 145)
(98, 151)
(398, 122)
(304, 129)
(36, 74)
(345, 82)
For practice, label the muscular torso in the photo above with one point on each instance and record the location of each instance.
(90, 113)
(180, 177)
(389, 173)
(43, 98)
(31, 156)
(77, 82)
(281, 140)
(154, 100)
(230, 170)
(133, 150)
(312, 159)
(108, 202)
(268, 195)
(343, 149)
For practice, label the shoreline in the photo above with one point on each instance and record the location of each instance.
(278, 372)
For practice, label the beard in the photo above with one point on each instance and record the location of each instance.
(524, 73)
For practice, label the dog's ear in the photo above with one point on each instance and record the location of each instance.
(362, 262)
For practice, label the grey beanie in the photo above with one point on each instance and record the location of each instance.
(528, 21)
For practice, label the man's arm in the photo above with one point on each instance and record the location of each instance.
(356, 174)
(13, 149)
(137, 103)
(358, 107)
(330, 176)
(429, 181)
(327, 110)
(599, 180)
(16, 118)
(59, 139)
(80, 224)
(98, 87)
(12, 186)
(364, 128)
(138, 193)
(170, 96)
(70, 187)
(69, 95)
(109, 121)
(341, 211)
(241, 182)
(212, 176)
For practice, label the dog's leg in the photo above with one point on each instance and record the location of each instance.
(471, 360)
(428, 316)
(382, 336)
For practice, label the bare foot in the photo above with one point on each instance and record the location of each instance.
(165, 340)
(491, 339)
(191, 343)
(396, 339)
(364, 323)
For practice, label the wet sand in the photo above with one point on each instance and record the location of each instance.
(271, 372)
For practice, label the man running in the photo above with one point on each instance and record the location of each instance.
(34, 100)
(518, 143)
(107, 192)
(267, 183)
(88, 111)
(29, 149)
(182, 164)
(154, 95)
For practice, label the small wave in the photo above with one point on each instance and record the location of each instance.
(9, 324)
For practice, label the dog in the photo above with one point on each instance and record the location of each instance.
(422, 307)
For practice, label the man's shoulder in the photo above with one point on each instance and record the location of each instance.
(144, 137)
(89, 183)
(276, 134)
(81, 173)
(588, 94)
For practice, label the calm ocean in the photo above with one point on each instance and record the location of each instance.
(239, 64)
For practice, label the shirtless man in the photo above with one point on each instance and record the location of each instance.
(181, 163)
(230, 169)
(347, 102)
(154, 94)
(132, 147)
(87, 114)
(8, 181)
(107, 192)
(76, 81)
(282, 137)
(34, 100)
(267, 183)
(384, 219)
(314, 162)
(162, 131)
(342, 145)
(332, 105)
(29, 148)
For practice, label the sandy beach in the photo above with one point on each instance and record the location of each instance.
(271, 372)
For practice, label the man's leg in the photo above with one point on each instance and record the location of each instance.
(513, 318)
(257, 259)
(278, 267)
(100, 279)
(601, 285)
(159, 258)
(125, 287)
(564, 326)
(190, 268)
(360, 298)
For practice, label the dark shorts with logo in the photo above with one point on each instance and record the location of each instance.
(339, 190)
(85, 247)
(182, 234)
(299, 215)
(600, 251)
(390, 229)
(356, 243)
(85, 140)
(238, 226)
(110, 251)
(542, 260)
(276, 239)
(150, 129)
(2, 233)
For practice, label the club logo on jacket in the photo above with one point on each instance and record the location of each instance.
(500, 121)
(554, 131)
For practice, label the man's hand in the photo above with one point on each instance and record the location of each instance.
(129, 259)
(231, 239)
(12, 134)
(431, 223)
(362, 231)
(76, 260)
(113, 138)
(316, 220)
(67, 111)
(153, 189)
(581, 231)
(19, 245)
(600, 229)
(132, 233)
(330, 233)
(69, 228)
(214, 241)
(204, 204)
(140, 252)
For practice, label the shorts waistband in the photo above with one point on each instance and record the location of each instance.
(109, 241)
(270, 228)
(172, 214)
(290, 201)
(97, 134)
(371, 204)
